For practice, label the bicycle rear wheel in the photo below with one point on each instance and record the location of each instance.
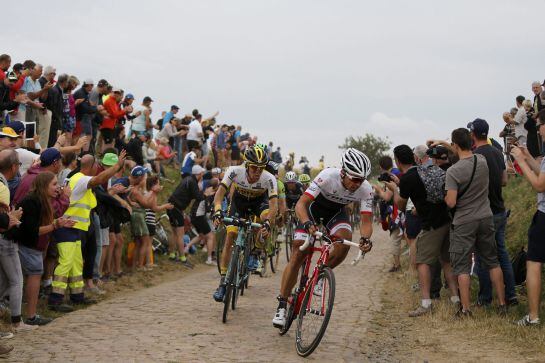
(315, 313)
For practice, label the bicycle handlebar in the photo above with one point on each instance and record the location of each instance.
(343, 241)
(240, 221)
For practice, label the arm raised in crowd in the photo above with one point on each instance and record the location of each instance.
(530, 168)
(108, 173)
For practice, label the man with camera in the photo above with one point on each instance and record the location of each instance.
(424, 185)
(390, 216)
(472, 228)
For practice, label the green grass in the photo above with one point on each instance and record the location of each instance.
(520, 198)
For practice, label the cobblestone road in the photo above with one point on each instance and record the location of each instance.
(178, 321)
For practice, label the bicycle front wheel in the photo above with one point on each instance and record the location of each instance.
(220, 240)
(315, 313)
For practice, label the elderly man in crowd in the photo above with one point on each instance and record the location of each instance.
(34, 110)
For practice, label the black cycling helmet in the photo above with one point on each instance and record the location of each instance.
(272, 167)
(255, 155)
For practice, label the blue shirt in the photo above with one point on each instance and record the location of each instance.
(236, 135)
(168, 116)
(187, 164)
(220, 141)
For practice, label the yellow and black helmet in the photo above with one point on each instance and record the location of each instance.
(255, 155)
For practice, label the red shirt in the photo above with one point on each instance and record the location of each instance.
(114, 112)
(16, 87)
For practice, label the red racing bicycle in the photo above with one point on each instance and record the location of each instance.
(312, 301)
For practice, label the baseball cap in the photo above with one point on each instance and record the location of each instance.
(197, 169)
(216, 170)
(88, 81)
(8, 132)
(109, 159)
(139, 171)
(174, 107)
(117, 90)
(123, 181)
(103, 83)
(147, 99)
(17, 126)
(438, 152)
(49, 156)
(478, 127)
(129, 96)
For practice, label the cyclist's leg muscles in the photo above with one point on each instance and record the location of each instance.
(232, 232)
(289, 276)
(339, 226)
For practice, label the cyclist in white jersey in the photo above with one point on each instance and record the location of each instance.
(324, 202)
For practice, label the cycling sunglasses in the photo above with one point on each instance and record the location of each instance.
(355, 179)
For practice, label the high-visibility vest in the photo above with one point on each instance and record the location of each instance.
(80, 210)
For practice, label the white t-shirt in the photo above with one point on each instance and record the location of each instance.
(139, 123)
(26, 158)
(80, 188)
(520, 120)
(195, 129)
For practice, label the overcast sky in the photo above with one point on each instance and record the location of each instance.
(304, 74)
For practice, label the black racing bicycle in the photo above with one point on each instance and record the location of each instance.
(238, 275)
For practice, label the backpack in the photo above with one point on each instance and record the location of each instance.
(433, 178)
(519, 267)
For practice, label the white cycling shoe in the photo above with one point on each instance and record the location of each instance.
(279, 319)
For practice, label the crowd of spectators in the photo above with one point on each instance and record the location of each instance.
(77, 162)
(445, 199)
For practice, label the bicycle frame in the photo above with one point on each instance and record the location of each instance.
(244, 229)
(310, 282)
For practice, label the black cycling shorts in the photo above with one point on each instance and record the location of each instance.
(201, 224)
(176, 217)
(243, 208)
(331, 220)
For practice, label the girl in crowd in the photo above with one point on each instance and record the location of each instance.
(37, 223)
(153, 187)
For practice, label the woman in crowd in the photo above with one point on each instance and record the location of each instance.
(37, 223)
(532, 143)
(534, 172)
(69, 163)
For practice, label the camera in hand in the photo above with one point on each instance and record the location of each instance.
(385, 177)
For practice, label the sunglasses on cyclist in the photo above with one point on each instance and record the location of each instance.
(355, 179)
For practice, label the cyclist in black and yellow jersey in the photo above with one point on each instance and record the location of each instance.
(304, 179)
(255, 194)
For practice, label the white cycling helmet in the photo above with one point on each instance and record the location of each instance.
(355, 163)
(290, 177)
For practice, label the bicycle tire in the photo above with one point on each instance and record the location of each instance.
(329, 280)
(230, 278)
(288, 239)
(239, 282)
(220, 240)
